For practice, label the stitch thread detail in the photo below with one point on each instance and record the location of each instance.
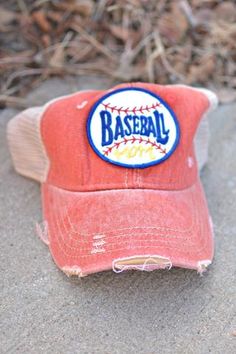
(134, 110)
(133, 140)
(82, 105)
(146, 266)
(74, 270)
(98, 243)
(202, 266)
(64, 245)
(42, 231)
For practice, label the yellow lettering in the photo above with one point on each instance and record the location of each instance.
(133, 151)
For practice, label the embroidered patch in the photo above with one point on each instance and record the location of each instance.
(132, 127)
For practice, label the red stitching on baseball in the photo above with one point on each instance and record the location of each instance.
(134, 110)
(132, 140)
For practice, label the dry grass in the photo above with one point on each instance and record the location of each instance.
(163, 41)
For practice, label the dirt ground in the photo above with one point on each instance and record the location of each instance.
(176, 311)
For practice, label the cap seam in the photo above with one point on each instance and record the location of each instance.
(120, 189)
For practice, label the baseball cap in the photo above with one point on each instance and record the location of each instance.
(119, 170)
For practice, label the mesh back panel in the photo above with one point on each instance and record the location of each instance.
(26, 146)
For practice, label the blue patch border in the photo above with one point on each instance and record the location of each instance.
(143, 165)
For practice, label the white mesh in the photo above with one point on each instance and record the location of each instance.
(201, 140)
(26, 145)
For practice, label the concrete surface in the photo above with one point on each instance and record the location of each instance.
(177, 311)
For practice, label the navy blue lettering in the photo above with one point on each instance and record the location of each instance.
(107, 133)
(162, 133)
(136, 125)
(143, 129)
(151, 127)
(133, 124)
(119, 130)
(128, 131)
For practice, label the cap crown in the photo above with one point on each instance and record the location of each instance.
(74, 165)
(50, 143)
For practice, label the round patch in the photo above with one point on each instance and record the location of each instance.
(132, 127)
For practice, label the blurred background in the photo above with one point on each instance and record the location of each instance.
(186, 41)
(53, 48)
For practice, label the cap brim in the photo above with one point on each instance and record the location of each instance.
(95, 231)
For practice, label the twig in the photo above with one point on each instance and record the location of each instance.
(128, 57)
(13, 101)
(16, 60)
(184, 5)
(17, 74)
(155, 54)
(94, 42)
(160, 52)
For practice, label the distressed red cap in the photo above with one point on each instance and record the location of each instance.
(120, 177)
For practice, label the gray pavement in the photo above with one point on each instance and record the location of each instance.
(176, 311)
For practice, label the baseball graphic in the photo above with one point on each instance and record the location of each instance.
(132, 127)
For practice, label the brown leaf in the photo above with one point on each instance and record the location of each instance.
(55, 16)
(202, 71)
(40, 18)
(82, 7)
(174, 25)
(119, 32)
